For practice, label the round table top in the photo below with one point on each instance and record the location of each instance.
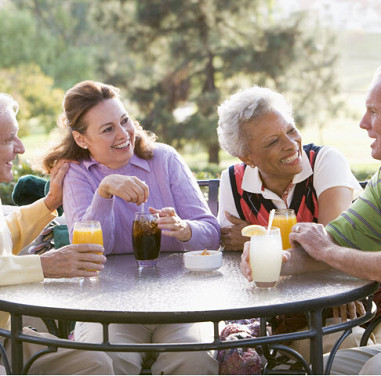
(172, 293)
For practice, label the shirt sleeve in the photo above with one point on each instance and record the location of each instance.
(192, 206)
(332, 170)
(81, 201)
(20, 269)
(226, 200)
(26, 223)
(359, 227)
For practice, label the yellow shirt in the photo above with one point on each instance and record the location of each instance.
(17, 230)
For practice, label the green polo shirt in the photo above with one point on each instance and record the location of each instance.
(360, 226)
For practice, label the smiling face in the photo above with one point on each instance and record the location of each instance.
(10, 144)
(110, 134)
(275, 146)
(371, 120)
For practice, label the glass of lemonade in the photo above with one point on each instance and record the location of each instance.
(284, 219)
(266, 258)
(88, 232)
(146, 239)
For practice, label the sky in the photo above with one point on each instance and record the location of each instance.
(357, 15)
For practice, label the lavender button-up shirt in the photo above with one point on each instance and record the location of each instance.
(170, 182)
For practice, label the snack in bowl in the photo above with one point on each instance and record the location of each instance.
(203, 261)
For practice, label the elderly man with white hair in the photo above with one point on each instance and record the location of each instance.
(20, 228)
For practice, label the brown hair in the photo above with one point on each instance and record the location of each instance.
(78, 101)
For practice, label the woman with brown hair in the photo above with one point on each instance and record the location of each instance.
(121, 166)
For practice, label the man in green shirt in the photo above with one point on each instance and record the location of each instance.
(351, 243)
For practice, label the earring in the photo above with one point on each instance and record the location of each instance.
(85, 147)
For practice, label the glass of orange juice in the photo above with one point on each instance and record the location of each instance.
(88, 232)
(284, 219)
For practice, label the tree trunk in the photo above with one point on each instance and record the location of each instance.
(213, 151)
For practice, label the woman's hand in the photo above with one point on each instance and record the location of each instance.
(245, 261)
(54, 197)
(75, 260)
(231, 236)
(129, 188)
(172, 224)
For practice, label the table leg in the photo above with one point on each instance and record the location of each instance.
(316, 350)
(16, 345)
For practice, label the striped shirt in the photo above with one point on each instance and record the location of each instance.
(360, 226)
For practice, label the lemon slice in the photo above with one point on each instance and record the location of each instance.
(253, 230)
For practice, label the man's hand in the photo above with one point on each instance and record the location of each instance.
(313, 238)
(231, 236)
(75, 260)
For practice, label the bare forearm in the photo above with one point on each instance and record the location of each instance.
(360, 264)
(300, 262)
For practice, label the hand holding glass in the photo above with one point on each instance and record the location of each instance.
(88, 232)
(266, 258)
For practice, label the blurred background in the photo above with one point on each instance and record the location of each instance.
(176, 60)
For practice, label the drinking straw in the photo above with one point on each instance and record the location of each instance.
(271, 217)
(142, 208)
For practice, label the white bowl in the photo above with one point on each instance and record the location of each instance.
(196, 262)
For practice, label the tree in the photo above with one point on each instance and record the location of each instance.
(39, 101)
(54, 35)
(200, 51)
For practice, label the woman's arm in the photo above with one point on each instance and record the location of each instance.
(228, 217)
(191, 206)
(334, 184)
(81, 201)
(332, 202)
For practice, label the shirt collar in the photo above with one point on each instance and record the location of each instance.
(135, 161)
(252, 182)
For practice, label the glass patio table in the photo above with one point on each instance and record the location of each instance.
(172, 294)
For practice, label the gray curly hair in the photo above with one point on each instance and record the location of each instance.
(246, 106)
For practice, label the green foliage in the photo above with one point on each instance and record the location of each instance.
(211, 171)
(53, 35)
(39, 101)
(363, 174)
(212, 50)
(20, 168)
(20, 40)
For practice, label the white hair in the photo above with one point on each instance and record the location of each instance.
(246, 106)
(8, 105)
(376, 77)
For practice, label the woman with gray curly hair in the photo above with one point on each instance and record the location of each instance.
(276, 170)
